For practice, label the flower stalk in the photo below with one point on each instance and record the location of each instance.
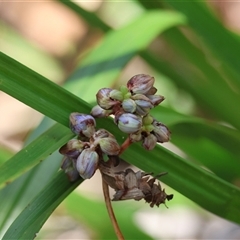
(110, 210)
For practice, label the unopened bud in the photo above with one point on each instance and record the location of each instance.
(148, 119)
(140, 83)
(82, 124)
(129, 105)
(142, 111)
(87, 163)
(136, 136)
(104, 100)
(151, 91)
(125, 92)
(101, 133)
(99, 112)
(116, 94)
(109, 146)
(156, 99)
(73, 148)
(161, 132)
(149, 142)
(142, 101)
(68, 166)
(147, 123)
(66, 163)
(128, 122)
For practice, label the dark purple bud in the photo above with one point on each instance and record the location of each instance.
(149, 142)
(140, 83)
(155, 99)
(73, 148)
(68, 166)
(82, 124)
(104, 99)
(161, 132)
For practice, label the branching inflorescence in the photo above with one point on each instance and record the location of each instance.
(98, 149)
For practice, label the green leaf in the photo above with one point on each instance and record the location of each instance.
(214, 146)
(27, 225)
(36, 91)
(54, 101)
(194, 68)
(220, 40)
(210, 144)
(204, 188)
(105, 62)
(34, 153)
(195, 184)
(89, 17)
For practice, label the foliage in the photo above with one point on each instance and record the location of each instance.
(209, 136)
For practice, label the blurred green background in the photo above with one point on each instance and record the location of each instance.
(196, 67)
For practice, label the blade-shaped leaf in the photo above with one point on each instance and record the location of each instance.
(34, 153)
(221, 41)
(105, 62)
(27, 225)
(33, 89)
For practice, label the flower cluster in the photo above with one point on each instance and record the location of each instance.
(136, 185)
(131, 105)
(83, 155)
(98, 149)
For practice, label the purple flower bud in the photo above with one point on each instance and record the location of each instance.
(129, 105)
(128, 122)
(68, 165)
(149, 142)
(87, 163)
(155, 99)
(151, 91)
(140, 83)
(161, 132)
(73, 148)
(99, 112)
(82, 124)
(104, 100)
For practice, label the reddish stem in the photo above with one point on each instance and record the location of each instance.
(125, 145)
(110, 210)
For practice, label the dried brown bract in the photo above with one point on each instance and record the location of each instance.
(135, 185)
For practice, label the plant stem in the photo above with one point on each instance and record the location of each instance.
(125, 145)
(110, 210)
